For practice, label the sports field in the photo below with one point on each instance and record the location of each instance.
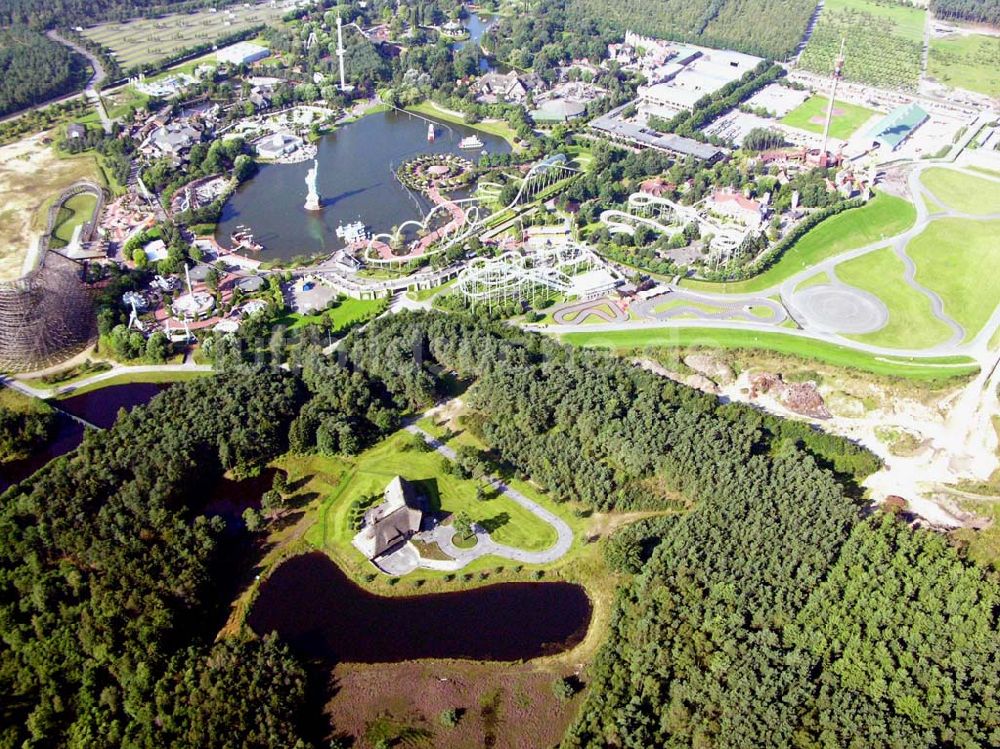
(956, 258)
(963, 192)
(145, 41)
(912, 323)
(932, 368)
(969, 61)
(811, 114)
(884, 216)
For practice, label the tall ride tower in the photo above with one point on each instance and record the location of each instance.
(340, 53)
(838, 73)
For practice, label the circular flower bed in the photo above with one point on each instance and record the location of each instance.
(444, 171)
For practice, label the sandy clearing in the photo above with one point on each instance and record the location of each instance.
(30, 175)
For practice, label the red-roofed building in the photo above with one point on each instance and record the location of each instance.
(737, 207)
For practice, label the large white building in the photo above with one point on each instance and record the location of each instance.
(242, 53)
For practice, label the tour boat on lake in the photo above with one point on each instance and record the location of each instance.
(430, 132)
(471, 142)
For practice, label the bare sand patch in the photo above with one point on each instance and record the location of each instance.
(31, 176)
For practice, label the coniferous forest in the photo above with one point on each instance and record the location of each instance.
(974, 11)
(34, 69)
(774, 611)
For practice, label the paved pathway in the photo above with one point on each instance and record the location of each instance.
(116, 371)
(485, 545)
(90, 92)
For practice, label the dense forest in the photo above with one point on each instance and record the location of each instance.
(758, 27)
(108, 570)
(48, 13)
(976, 11)
(34, 69)
(772, 612)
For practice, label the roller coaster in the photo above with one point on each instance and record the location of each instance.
(519, 275)
(664, 216)
(467, 217)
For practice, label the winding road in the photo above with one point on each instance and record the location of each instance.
(407, 559)
(90, 91)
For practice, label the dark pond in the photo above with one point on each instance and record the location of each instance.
(355, 181)
(99, 407)
(313, 606)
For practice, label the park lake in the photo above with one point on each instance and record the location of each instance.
(313, 606)
(356, 181)
(99, 407)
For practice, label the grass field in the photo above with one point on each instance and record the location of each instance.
(344, 316)
(128, 378)
(76, 211)
(955, 258)
(963, 192)
(911, 321)
(883, 42)
(883, 217)
(146, 41)
(966, 61)
(811, 114)
(931, 368)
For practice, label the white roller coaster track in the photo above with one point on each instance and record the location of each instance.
(515, 275)
(475, 214)
(725, 238)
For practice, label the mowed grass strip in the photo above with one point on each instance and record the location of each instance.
(881, 218)
(912, 368)
(969, 61)
(962, 192)
(956, 258)
(811, 114)
(912, 323)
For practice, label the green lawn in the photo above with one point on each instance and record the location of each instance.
(430, 109)
(929, 368)
(369, 472)
(811, 114)
(76, 211)
(963, 192)
(128, 378)
(817, 280)
(966, 61)
(911, 322)
(957, 259)
(344, 316)
(883, 217)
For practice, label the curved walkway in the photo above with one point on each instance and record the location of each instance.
(485, 545)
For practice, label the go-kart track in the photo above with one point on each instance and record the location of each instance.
(831, 310)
